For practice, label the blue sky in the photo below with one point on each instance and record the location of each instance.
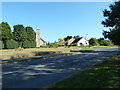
(57, 19)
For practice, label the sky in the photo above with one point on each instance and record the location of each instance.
(57, 19)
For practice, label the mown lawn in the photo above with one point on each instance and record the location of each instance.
(87, 49)
(103, 75)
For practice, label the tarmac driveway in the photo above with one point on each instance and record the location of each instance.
(44, 72)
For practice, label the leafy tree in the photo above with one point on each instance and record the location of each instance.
(93, 42)
(100, 39)
(11, 44)
(67, 38)
(61, 41)
(77, 36)
(112, 21)
(6, 32)
(19, 34)
(30, 33)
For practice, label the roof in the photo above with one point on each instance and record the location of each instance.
(77, 39)
(43, 40)
(71, 41)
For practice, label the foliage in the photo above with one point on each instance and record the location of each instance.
(6, 32)
(77, 36)
(1, 45)
(11, 44)
(33, 44)
(93, 42)
(26, 44)
(100, 39)
(67, 38)
(53, 45)
(30, 33)
(105, 43)
(19, 34)
(61, 41)
(112, 21)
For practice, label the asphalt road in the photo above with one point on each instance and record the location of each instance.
(44, 72)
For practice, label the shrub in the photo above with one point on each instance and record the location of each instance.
(43, 46)
(105, 43)
(33, 44)
(93, 42)
(1, 45)
(11, 44)
(26, 44)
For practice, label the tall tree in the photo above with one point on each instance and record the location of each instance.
(19, 34)
(112, 21)
(6, 32)
(30, 33)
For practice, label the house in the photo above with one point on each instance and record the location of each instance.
(77, 42)
(39, 40)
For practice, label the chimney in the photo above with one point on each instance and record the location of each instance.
(37, 37)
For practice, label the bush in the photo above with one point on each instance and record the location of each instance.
(1, 45)
(11, 44)
(26, 44)
(105, 43)
(33, 44)
(93, 42)
(43, 46)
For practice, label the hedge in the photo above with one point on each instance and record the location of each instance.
(11, 44)
(1, 45)
(26, 44)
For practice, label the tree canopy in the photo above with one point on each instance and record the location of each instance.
(112, 21)
(20, 34)
(93, 42)
(6, 32)
(30, 33)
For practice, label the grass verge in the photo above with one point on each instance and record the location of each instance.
(103, 75)
(31, 59)
(87, 49)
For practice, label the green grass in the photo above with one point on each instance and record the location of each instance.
(102, 75)
(103, 46)
(87, 49)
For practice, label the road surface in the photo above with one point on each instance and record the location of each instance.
(44, 72)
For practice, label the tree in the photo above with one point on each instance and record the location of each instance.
(19, 34)
(93, 42)
(6, 32)
(67, 38)
(100, 39)
(30, 33)
(77, 36)
(112, 21)
(61, 41)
